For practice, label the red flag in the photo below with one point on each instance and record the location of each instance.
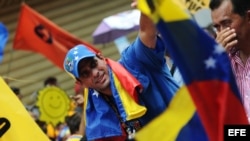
(38, 34)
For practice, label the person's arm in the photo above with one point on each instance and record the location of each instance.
(79, 99)
(147, 31)
(82, 126)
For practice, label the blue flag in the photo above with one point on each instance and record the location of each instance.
(3, 39)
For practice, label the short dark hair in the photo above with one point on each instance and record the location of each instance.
(240, 7)
(73, 122)
(15, 90)
(50, 80)
(84, 62)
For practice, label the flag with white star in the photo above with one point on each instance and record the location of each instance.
(202, 106)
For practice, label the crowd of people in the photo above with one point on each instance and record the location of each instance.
(149, 84)
(67, 130)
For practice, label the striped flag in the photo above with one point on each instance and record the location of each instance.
(205, 103)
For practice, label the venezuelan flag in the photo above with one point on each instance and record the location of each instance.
(100, 119)
(204, 105)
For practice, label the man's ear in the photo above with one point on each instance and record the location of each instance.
(78, 81)
(82, 84)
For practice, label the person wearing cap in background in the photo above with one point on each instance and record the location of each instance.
(141, 64)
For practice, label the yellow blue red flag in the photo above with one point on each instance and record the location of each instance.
(205, 103)
(100, 119)
(16, 124)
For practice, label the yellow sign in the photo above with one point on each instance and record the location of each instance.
(53, 104)
(16, 124)
(195, 5)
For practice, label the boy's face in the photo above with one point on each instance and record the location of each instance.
(93, 72)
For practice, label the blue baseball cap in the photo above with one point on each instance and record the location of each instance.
(74, 56)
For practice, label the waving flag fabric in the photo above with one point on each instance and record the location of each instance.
(36, 33)
(3, 39)
(100, 119)
(16, 124)
(210, 89)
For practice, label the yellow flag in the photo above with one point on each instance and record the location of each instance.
(15, 122)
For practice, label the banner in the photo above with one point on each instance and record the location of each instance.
(38, 34)
(3, 39)
(53, 104)
(16, 124)
(195, 5)
(210, 99)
